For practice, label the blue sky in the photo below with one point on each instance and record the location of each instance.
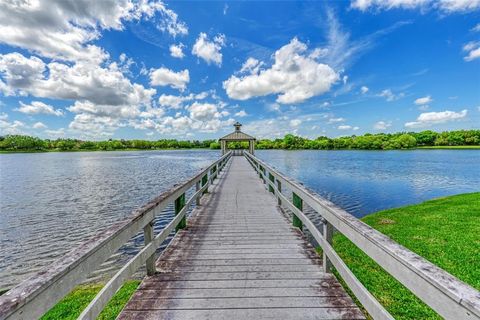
(189, 70)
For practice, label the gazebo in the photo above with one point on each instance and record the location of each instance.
(237, 136)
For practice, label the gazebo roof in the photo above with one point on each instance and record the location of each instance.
(237, 135)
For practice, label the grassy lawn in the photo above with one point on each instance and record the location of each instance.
(444, 231)
(73, 304)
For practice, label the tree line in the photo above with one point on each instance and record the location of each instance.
(381, 141)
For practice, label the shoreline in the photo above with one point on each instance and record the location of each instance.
(465, 147)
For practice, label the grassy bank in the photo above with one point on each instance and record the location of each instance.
(73, 304)
(444, 231)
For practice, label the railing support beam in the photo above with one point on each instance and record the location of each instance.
(197, 187)
(328, 235)
(297, 202)
(272, 179)
(204, 182)
(279, 188)
(179, 204)
(148, 237)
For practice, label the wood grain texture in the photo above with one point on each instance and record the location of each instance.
(240, 258)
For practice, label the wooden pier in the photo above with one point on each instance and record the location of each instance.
(239, 255)
(240, 258)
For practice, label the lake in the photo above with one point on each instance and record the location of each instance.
(50, 202)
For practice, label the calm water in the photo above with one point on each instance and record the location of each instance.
(363, 182)
(50, 202)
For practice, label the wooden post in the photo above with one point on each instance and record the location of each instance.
(272, 179)
(327, 234)
(223, 146)
(297, 202)
(148, 237)
(279, 188)
(213, 172)
(204, 182)
(179, 204)
(197, 187)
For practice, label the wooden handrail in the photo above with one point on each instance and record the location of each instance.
(444, 293)
(36, 295)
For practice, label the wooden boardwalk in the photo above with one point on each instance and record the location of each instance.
(240, 258)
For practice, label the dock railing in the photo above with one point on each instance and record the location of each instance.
(447, 295)
(36, 295)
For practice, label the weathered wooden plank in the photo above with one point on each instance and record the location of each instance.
(225, 284)
(246, 275)
(251, 314)
(159, 303)
(237, 251)
(235, 262)
(238, 292)
(244, 268)
(271, 245)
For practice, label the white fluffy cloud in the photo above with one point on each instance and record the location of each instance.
(364, 89)
(67, 65)
(423, 101)
(103, 95)
(295, 123)
(175, 102)
(94, 125)
(39, 125)
(473, 50)
(390, 96)
(427, 119)
(448, 6)
(81, 81)
(64, 29)
(210, 51)
(202, 111)
(7, 127)
(176, 50)
(295, 77)
(336, 120)
(38, 107)
(251, 66)
(241, 114)
(382, 125)
(167, 77)
(268, 128)
(200, 116)
(347, 127)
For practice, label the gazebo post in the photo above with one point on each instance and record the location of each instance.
(223, 145)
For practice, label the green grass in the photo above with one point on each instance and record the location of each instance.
(444, 231)
(70, 307)
(449, 147)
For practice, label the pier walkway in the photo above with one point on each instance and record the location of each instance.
(240, 258)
